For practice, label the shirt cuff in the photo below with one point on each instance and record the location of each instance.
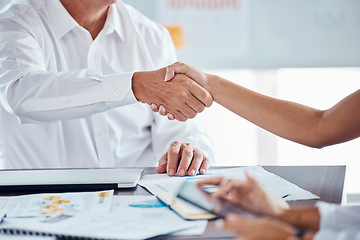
(327, 211)
(117, 89)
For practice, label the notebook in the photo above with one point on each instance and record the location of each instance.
(68, 179)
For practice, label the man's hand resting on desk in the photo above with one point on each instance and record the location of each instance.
(182, 97)
(182, 158)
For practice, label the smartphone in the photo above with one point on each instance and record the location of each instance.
(193, 194)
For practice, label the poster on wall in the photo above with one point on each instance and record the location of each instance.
(206, 30)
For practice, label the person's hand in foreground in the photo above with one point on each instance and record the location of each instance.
(182, 158)
(257, 228)
(172, 71)
(247, 194)
(182, 97)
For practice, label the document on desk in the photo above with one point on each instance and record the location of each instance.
(131, 217)
(275, 185)
(50, 204)
(146, 210)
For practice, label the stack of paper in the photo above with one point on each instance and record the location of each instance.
(166, 188)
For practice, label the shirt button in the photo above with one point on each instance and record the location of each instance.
(117, 93)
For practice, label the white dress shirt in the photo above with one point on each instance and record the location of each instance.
(338, 222)
(66, 99)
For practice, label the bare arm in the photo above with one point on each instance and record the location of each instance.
(296, 122)
(302, 217)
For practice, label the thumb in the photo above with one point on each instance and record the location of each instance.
(162, 164)
(173, 69)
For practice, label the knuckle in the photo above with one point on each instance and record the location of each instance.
(173, 151)
(187, 153)
(198, 154)
(181, 94)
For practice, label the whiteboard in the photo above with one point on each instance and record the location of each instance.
(279, 33)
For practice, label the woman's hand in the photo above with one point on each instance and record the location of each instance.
(257, 228)
(247, 194)
(193, 73)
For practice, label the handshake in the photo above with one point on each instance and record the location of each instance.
(178, 91)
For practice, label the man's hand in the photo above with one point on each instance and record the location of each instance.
(181, 68)
(247, 194)
(182, 158)
(182, 97)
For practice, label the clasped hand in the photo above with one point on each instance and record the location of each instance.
(181, 96)
(184, 98)
(181, 70)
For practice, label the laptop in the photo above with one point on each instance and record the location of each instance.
(68, 179)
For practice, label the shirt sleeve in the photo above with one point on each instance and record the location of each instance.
(338, 222)
(35, 95)
(337, 235)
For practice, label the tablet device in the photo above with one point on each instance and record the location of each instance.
(191, 193)
(68, 179)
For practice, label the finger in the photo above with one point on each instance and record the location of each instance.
(186, 158)
(170, 116)
(201, 94)
(196, 162)
(162, 164)
(249, 178)
(210, 181)
(233, 223)
(187, 70)
(173, 158)
(179, 116)
(171, 70)
(204, 165)
(162, 110)
(225, 187)
(188, 111)
(154, 107)
(188, 105)
(194, 104)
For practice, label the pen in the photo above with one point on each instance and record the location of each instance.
(286, 195)
(2, 218)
